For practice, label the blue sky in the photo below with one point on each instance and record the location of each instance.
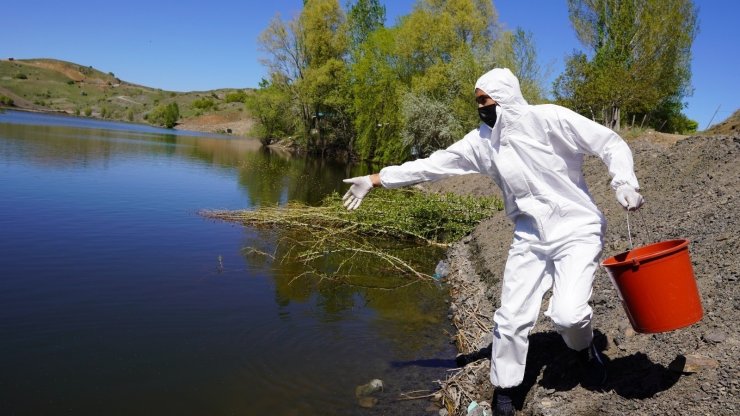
(195, 45)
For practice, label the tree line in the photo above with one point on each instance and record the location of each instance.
(341, 81)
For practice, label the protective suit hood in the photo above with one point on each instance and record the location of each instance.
(501, 85)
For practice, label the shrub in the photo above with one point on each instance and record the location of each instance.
(6, 101)
(70, 82)
(236, 97)
(429, 124)
(130, 115)
(77, 111)
(202, 104)
(21, 75)
(88, 111)
(165, 115)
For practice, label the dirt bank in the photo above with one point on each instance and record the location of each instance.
(691, 189)
(228, 123)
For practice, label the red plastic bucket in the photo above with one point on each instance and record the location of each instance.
(656, 285)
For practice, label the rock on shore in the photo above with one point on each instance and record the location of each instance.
(691, 190)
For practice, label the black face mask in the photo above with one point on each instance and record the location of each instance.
(488, 114)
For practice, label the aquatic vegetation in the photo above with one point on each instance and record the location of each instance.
(330, 241)
(409, 214)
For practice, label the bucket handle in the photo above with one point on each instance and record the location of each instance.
(642, 224)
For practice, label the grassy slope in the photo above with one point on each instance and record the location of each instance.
(52, 85)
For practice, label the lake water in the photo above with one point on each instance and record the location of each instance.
(117, 298)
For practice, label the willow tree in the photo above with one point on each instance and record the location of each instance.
(286, 62)
(363, 18)
(386, 94)
(366, 64)
(637, 59)
(325, 86)
(269, 105)
(307, 54)
(376, 93)
(446, 46)
(435, 29)
(452, 43)
(420, 74)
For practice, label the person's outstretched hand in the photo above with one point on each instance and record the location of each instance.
(630, 199)
(361, 185)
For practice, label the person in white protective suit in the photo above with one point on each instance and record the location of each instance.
(534, 153)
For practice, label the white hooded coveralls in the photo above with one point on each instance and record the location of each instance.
(534, 154)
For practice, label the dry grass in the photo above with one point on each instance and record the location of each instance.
(473, 323)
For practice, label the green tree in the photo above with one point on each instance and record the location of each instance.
(435, 29)
(269, 104)
(364, 18)
(165, 115)
(307, 56)
(446, 47)
(639, 63)
(325, 83)
(451, 84)
(377, 91)
(516, 50)
(354, 84)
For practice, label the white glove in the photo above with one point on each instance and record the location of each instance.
(630, 199)
(361, 185)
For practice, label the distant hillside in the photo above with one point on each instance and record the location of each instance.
(59, 86)
(730, 126)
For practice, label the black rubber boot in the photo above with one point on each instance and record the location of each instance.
(502, 404)
(593, 367)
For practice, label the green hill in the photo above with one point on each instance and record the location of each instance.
(59, 86)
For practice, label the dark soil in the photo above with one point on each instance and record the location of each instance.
(691, 190)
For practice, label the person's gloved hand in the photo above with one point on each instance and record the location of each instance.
(630, 199)
(361, 185)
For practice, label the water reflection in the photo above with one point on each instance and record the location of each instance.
(401, 304)
(267, 175)
(112, 283)
(272, 175)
